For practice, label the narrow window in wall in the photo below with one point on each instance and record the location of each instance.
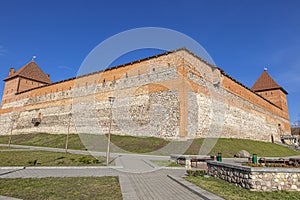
(280, 129)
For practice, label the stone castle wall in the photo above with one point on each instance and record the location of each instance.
(172, 96)
(257, 178)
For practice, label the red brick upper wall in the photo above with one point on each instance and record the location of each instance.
(131, 69)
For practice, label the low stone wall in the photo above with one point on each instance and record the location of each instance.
(257, 178)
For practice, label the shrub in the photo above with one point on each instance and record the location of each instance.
(253, 164)
(32, 162)
(196, 172)
(88, 160)
(276, 165)
(85, 160)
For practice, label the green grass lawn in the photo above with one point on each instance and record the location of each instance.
(93, 142)
(232, 192)
(46, 140)
(228, 147)
(165, 163)
(4, 148)
(45, 158)
(138, 144)
(106, 188)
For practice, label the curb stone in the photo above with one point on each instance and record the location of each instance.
(8, 198)
(195, 189)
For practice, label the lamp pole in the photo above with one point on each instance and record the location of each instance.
(68, 132)
(111, 101)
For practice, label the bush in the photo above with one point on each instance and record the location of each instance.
(253, 164)
(87, 160)
(32, 162)
(270, 165)
(196, 172)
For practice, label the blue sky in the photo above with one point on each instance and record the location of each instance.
(241, 36)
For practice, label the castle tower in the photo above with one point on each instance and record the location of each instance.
(28, 77)
(269, 89)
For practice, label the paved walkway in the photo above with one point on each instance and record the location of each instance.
(139, 178)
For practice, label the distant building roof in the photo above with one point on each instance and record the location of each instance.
(31, 71)
(265, 82)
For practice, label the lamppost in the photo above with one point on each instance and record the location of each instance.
(68, 132)
(111, 101)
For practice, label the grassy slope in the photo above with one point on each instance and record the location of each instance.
(232, 192)
(129, 143)
(228, 147)
(43, 158)
(43, 139)
(62, 188)
(138, 144)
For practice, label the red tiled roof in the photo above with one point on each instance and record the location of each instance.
(31, 71)
(265, 82)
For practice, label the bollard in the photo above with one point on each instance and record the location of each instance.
(213, 157)
(188, 165)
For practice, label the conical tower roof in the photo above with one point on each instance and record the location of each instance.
(31, 71)
(265, 82)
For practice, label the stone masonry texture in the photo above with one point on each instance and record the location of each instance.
(257, 178)
(175, 95)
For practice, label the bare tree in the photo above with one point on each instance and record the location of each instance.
(295, 128)
(13, 118)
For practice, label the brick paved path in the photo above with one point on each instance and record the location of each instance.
(156, 185)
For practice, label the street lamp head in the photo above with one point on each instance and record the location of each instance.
(111, 100)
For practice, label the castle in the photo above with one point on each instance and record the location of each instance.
(174, 95)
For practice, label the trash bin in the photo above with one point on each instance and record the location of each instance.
(254, 158)
(219, 157)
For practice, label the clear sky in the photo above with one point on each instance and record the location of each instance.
(241, 36)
